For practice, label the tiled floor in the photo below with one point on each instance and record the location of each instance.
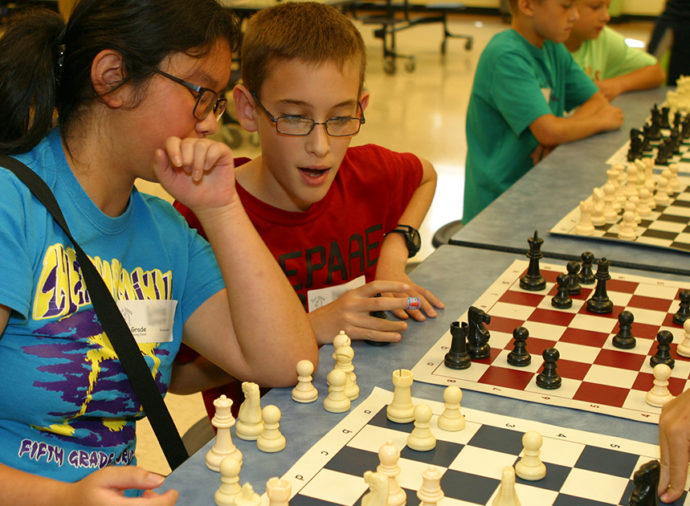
(422, 112)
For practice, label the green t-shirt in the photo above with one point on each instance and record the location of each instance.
(609, 56)
(515, 83)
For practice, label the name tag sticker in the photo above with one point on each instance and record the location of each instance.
(151, 321)
(323, 296)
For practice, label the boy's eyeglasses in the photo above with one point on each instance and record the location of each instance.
(206, 99)
(341, 126)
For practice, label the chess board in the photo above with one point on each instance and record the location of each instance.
(667, 227)
(682, 159)
(583, 468)
(596, 376)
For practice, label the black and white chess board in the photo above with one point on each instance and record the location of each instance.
(583, 468)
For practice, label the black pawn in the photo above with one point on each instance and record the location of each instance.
(684, 308)
(382, 315)
(573, 269)
(646, 483)
(586, 273)
(533, 280)
(477, 334)
(624, 339)
(519, 357)
(562, 300)
(663, 350)
(600, 302)
(457, 357)
(549, 378)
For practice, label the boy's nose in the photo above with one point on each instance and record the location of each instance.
(318, 141)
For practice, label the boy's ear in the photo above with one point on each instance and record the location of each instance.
(245, 108)
(107, 73)
(526, 7)
(364, 100)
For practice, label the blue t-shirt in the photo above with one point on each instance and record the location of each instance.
(66, 406)
(515, 83)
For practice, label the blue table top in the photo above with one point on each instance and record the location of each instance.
(458, 276)
(555, 186)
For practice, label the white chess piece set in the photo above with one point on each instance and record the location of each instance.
(630, 194)
(659, 395)
(679, 99)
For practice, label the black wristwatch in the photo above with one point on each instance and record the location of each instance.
(412, 239)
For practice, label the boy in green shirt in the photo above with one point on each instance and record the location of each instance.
(605, 57)
(524, 83)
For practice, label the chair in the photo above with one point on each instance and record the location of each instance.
(394, 18)
(443, 234)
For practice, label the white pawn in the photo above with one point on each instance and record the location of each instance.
(659, 394)
(506, 495)
(249, 422)
(271, 440)
(278, 491)
(336, 401)
(248, 497)
(229, 488)
(342, 339)
(584, 225)
(223, 446)
(684, 347)
(631, 205)
(451, 419)
(388, 466)
(421, 438)
(610, 211)
(644, 208)
(305, 391)
(661, 198)
(344, 356)
(378, 489)
(401, 409)
(430, 493)
(627, 227)
(674, 182)
(530, 467)
(597, 216)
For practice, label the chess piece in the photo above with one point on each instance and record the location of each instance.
(643, 204)
(305, 391)
(600, 302)
(683, 308)
(477, 334)
(519, 357)
(229, 488)
(533, 280)
(646, 484)
(624, 338)
(584, 225)
(430, 492)
(401, 409)
(674, 182)
(610, 212)
(223, 446)
(452, 419)
(248, 497)
(586, 272)
(344, 355)
(506, 495)
(378, 489)
(627, 227)
(336, 401)
(573, 269)
(388, 466)
(457, 357)
(663, 351)
(660, 394)
(661, 197)
(530, 467)
(271, 440)
(421, 438)
(549, 378)
(278, 491)
(597, 216)
(249, 422)
(683, 348)
(342, 339)
(562, 300)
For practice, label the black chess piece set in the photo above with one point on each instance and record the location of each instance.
(642, 141)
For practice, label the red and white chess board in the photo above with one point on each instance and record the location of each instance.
(596, 376)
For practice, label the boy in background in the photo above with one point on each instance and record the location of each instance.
(341, 221)
(525, 81)
(605, 57)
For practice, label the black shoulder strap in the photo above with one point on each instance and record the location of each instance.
(114, 325)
